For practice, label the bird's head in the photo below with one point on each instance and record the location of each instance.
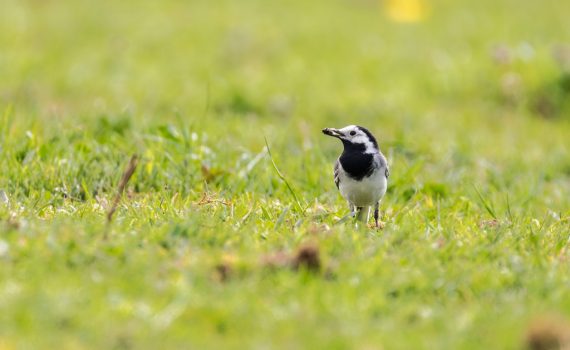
(354, 138)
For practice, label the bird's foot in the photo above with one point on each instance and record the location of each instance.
(378, 225)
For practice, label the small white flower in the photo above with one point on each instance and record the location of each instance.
(4, 198)
(4, 248)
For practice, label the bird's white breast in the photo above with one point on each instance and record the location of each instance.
(366, 192)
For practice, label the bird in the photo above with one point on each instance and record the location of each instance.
(361, 172)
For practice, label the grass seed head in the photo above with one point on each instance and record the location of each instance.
(548, 333)
(308, 257)
(224, 271)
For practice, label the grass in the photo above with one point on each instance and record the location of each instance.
(469, 103)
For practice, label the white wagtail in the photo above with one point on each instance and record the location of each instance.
(361, 172)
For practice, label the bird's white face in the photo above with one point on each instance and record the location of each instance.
(354, 135)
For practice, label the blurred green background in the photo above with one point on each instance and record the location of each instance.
(470, 101)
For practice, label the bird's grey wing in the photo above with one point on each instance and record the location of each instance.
(336, 173)
(384, 163)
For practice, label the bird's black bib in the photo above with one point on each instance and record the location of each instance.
(355, 162)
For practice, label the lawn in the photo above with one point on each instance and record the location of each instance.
(217, 243)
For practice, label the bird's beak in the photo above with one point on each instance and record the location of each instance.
(332, 132)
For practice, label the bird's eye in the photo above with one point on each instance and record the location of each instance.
(352, 133)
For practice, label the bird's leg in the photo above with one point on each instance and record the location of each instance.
(379, 224)
(376, 209)
(359, 213)
(352, 210)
